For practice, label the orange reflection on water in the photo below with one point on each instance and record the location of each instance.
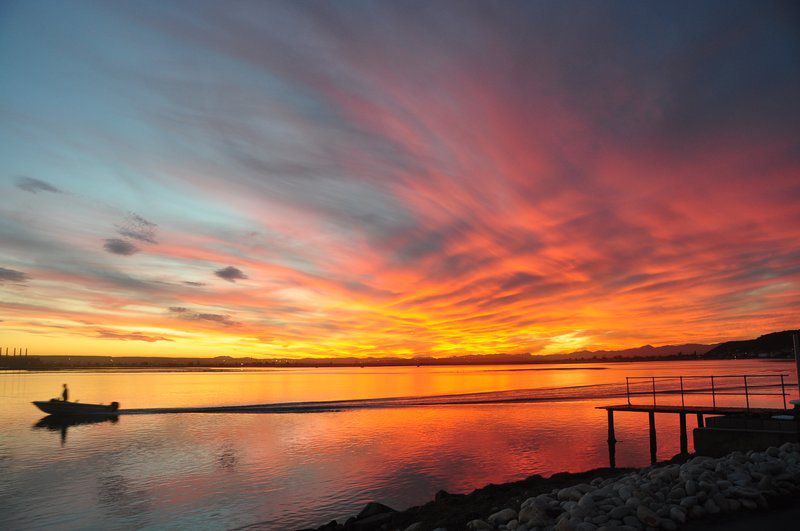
(302, 469)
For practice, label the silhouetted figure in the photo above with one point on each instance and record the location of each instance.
(65, 394)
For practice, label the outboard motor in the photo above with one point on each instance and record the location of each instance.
(114, 406)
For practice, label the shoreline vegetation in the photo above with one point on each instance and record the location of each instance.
(777, 345)
(691, 491)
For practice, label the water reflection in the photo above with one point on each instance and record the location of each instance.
(226, 458)
(217, 470)
(62, 423)
(123, 500)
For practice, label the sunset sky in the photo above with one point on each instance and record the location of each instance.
(292, 179)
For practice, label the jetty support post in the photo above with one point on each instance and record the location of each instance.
(684, 439)
(796, 345)
(653, 443)
(700, 423)
(612, 441)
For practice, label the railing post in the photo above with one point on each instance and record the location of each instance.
(795, 345)
(783, 392)
(683, 405)
(746, 394)
(654, 390)
(628, 388)
(713, 394)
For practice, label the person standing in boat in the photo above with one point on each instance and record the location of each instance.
(65, 394)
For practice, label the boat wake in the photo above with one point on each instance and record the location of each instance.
(582, 392)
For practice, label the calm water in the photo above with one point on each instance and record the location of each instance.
(288, 470)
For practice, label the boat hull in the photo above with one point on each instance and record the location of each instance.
(62, 408)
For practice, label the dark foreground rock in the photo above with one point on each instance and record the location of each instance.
(454, 511)
(687, 491)
(662, 497)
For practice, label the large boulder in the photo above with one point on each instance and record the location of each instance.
(502, 517)
(373, 508)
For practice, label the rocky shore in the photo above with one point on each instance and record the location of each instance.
(666, 496)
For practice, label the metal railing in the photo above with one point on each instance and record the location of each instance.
(753, 385)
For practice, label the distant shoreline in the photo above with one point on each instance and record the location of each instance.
(774, 346)
(57, 363)
(172, 368)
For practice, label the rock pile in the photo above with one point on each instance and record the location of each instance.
(659, 497)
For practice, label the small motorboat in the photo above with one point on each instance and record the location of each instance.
(64, 408)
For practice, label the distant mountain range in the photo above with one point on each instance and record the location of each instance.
(777, 344)
(647, 351)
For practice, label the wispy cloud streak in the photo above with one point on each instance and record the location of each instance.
(11, 275)
(403, 179)
(121, 247)
(34, 186)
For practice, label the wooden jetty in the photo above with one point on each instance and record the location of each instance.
(752, 385)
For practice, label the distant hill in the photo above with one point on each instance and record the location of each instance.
(775, 343)
(647, 351)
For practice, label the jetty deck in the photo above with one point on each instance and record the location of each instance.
(674, 387)
(692, 410)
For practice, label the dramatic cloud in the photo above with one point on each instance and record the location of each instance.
(138, 228)
(214, 318)
(10, 275)
(121, 247)
(185, 313)
(404, 178)
(33, 186)
(130, 336)
(230, 273)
